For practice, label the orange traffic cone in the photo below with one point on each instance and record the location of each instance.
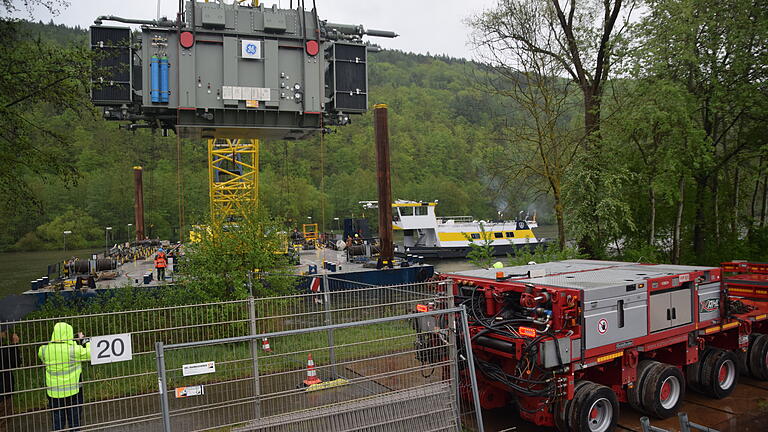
(311, 373)
(265, 345)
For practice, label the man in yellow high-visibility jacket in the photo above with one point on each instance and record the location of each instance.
(62, 357)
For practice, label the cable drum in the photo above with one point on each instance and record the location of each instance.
(358, 250)
(79, 267)
(103, 264)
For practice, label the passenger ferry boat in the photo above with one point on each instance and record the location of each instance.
(430, 236)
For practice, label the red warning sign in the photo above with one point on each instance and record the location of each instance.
(602, 326)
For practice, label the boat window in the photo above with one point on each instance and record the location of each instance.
(475, 236)
(498, 234)
(510, 234)
(406, 211)
(421, 211)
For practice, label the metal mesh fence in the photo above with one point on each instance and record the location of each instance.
(123, 396)
(387, 374)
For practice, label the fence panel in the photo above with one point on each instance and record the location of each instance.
(389, 374)
(123, 396)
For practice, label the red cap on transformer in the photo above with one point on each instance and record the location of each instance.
(186, 39)
(312, 47)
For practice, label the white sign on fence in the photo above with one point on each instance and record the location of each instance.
(111, 348)
(198, 368)
(182, 392)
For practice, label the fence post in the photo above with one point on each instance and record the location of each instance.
(163, 387)
(254, 349)
(453, 357)
(471, 368)
(328, 321)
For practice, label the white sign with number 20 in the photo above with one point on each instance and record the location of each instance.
(111, 348)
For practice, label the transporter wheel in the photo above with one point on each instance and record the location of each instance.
(663, 390)
(635, 393)
(561, 414)
(719, 374)
(757, 357)
(594, 409)
(693, 371)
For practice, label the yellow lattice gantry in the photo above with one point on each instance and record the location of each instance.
(233, 173)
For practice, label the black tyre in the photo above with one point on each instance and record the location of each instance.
(757, 357)
(719, 374)
(594, 409)
(663, 391)
(561, 413)
(635, 393)
(693, 371)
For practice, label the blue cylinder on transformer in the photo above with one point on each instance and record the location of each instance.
(164, 79)
(154, 73)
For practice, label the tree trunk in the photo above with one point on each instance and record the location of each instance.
(735, 203)
(716, 208)
(765, 201)
(700, 220)
(678, 223)
(652, 236)
(591, 117)
(560, 218)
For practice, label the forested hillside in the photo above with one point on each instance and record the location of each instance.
(641, 136)
(437, 126)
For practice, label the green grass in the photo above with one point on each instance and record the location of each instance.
(139, 376)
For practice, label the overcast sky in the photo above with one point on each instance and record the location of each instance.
(434, 26)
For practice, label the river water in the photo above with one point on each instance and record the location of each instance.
(18, 268)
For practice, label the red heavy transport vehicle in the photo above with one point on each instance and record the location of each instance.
(567, 341)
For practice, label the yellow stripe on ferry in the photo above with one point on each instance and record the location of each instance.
(458, 236)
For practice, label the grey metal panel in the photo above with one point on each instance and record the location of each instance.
(709, 301)
(212, 17)
(548, 354)
(184, 88)
(271, 72)
(601, 283)
(575, 349)
(601, 263)
(601, 325)
(231, 46)
(659, 311)
(274, 22)
(208, 61)
(313, 86)
(231, 69)
(680, 301)
(551, 268)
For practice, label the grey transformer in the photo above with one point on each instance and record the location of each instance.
(232, 71)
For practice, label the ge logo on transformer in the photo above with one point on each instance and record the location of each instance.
(251, 49)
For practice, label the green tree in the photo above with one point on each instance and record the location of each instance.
(219, 264)
(585, 41)
(36, 72)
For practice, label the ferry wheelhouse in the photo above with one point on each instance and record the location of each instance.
(428, 235)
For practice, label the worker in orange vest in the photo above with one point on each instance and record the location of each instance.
(161, 262)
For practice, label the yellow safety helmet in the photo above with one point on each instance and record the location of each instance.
(498, 265)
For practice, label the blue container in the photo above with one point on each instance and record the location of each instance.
(164, 66)
(147, 278)
(33, 284)
(313, 269)
(332, 266)
(154, 73)
(46, 280)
